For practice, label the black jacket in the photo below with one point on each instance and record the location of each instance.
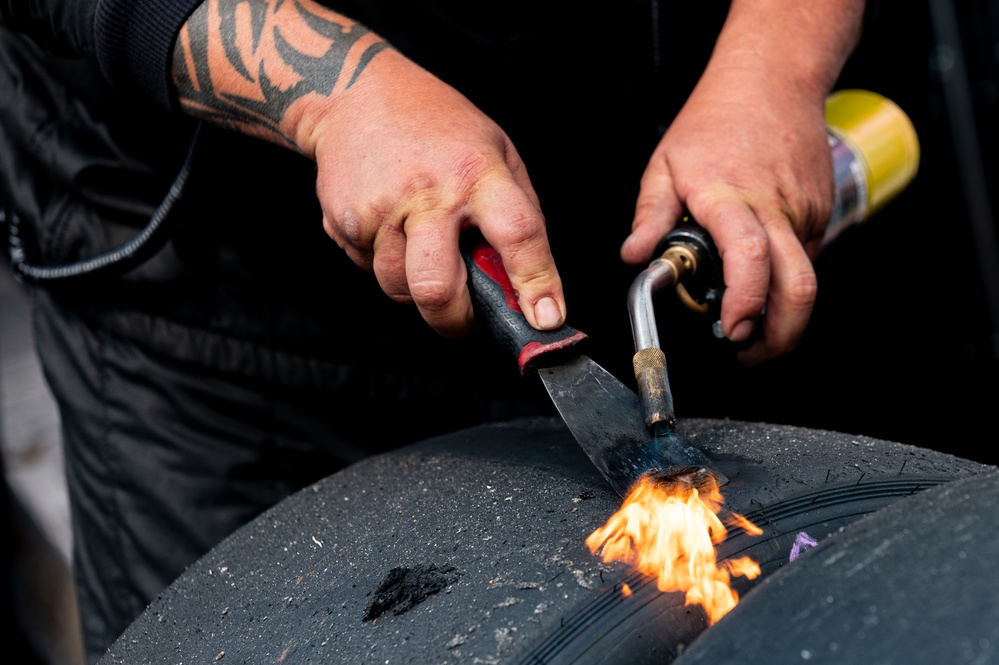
(249, 281)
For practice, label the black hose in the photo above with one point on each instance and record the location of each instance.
(114, 261)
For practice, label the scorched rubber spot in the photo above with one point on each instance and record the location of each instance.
(405, 588)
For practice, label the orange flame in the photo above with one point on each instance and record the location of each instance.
(669, 530)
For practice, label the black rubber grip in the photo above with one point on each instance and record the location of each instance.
(494, 299)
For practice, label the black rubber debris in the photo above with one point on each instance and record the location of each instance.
(405, 588)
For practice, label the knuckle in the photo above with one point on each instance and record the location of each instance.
(521, 230)
(802, 289)
(348, 230)
(329, 225)
(755, 247)
(432, 292)
(426, 199)
(525, 228)
(420, 186)
(381, 208)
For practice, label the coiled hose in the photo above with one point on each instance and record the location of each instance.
(114, 261)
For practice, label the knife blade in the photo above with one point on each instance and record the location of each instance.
(602, 413)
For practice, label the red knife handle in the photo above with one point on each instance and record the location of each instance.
(495, 299)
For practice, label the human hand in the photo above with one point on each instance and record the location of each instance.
(748, 158)
(405, 163)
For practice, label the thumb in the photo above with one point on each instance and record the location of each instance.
(656, 211)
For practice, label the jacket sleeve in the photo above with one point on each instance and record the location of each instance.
(134, 43)
(131, 40)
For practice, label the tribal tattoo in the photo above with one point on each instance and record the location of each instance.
(243, 64)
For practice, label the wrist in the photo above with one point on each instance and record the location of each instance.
(799, 46)
(269, 73)
(309, 122)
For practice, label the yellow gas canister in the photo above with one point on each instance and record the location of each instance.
(875, 154)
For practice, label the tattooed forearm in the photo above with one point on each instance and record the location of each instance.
(244, 63)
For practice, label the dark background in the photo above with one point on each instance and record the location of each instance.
(904, 338)
(903, 341)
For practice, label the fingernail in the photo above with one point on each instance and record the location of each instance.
(547, 313)
(742, 330)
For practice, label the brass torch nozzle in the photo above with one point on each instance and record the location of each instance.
(683, 260)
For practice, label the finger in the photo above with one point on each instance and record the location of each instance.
(512, 223)
(520, 176)
(793, 289)
(656, 212)
(743, 246)
(348, 230)
(389, 263)
(436, 272)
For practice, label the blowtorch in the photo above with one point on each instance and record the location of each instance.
(875, 153)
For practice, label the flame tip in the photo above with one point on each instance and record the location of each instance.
(667, 528)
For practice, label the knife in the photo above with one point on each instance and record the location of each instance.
(603, 415)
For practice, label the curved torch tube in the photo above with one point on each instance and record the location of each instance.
(649, 361)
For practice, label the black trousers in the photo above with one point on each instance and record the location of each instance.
(165, 458)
